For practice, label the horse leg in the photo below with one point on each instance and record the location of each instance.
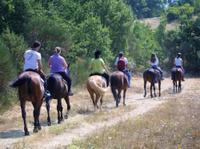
(179, 85)
(59, 110)
(97, 99)
(119, 95)
(48, 113)
(154, 89)
(159, 88)
(174, 89)
(151, 90)
(124, 96)
(36, 113)
(22, 104)
(145, 89)
(101, 102)
(114, 92)
(68, 106)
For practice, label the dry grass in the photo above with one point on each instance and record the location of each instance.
(175, 124)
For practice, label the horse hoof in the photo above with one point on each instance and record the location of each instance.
(117, 105)
(49, 123)
(26, 133)
(35, 130)
(66, 116)
(124, 104)
(39, 127)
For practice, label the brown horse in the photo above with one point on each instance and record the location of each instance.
(176, 76)
(30, 88)
(118, 82)
(153, 76)
(96, 86)
(58, 89)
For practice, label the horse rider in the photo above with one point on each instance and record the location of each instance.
(98, 66)
(178, 62)
(58, 65)
(154, 64)
(121, 63)
(32, 62)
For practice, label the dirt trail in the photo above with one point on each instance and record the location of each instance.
(139, 106)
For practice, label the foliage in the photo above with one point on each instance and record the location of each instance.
(185, 40)
(6, 66)
(13, 14)
(178, 12)
(16, 46)
(147, 8)
(142, 44)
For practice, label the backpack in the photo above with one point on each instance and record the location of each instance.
(121, 64)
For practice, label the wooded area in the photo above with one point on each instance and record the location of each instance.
(82, 26)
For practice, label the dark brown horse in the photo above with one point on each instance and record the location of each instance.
(58, 89)
(152, 76)
(176, 76)
(30, 88)
(96, 86)
(118, 82)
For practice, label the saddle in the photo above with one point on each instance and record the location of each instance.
(157, 74)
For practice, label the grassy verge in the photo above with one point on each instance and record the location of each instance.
(173, 125)
(7, 99)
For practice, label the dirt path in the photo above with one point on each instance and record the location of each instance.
(136, 104)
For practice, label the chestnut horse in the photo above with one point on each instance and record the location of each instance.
(96, 86)
(176, 76)
(118, 82)
(152, 76)
(58, 89)
(30, 88)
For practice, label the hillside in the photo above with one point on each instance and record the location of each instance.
(154, 23)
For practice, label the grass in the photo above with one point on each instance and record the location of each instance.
(175, 124)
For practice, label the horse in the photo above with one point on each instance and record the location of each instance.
(176, 76)
(118, 82)
(153, 76)
(97, 87)
(30, 88)
(58, 89)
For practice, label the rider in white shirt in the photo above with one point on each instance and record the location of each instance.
(32, 59)
(178, 62)
(32, 62)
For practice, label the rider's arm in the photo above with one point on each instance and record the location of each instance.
(116, 61)
(65, 63)
(104, 66)
(39, 65)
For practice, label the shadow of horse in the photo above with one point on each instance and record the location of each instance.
(118, 82)
(96, 86)
(30, 88)
(11, 134)
(176, 76)
(58, 89)
(152, 76)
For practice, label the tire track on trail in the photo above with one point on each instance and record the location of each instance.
(143, 105)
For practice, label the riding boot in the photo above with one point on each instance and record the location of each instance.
(47, 94)
(161, 75)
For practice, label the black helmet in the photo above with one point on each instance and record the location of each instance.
(120, 54)
(179, 54)
(97, 54)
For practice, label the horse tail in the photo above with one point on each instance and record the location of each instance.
(94, 85)
(21, 81)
